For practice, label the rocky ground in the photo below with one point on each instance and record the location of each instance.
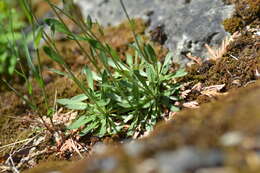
(217, 129)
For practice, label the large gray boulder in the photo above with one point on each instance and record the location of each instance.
(189, 24)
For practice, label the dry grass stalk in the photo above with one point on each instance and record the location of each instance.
(196, 59)
(215, 53)
(219, 52)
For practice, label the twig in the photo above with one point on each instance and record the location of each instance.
(257, 74)
(30, 156)
(234, 57)
(13, 168)
(219, 52)
(194, 58)
(18, 142)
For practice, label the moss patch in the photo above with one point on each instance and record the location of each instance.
(12, 126)
(247, 13)
(237, 68)
(48, 167)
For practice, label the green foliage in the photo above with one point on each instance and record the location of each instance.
(18, 43)
(126, 96)
(10, 25)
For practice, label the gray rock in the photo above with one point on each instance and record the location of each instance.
(188, 159)
(134, 148)
(216, 170)
(189, 24)
(106, 164)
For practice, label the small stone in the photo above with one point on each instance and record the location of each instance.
(216, 170)
(104, 164)
(99, 148)
(236, 82)
(231, 139)
(147, 166)
(134, 148)
(187, 158)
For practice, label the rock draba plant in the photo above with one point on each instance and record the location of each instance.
(131, 98)
(125, 96)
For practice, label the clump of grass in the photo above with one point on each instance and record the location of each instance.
(125, 96)
(10, 26)
(20, 48)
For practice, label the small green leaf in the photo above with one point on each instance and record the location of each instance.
(53, 55)
(30, 88)
(3, 57)
(72, 36)
(141, 79)
(73, 104)
(151, 73)
(64, 101)
(103, 102)
(150, 52)
(128, 118)
(103, 128)
(58, 72)
(167, 63)
(82, 120)
(111, 63)
(100, 30)
(114, 53)
(29, 60)
(173, 98)
(104, 77)
(57, 26)
(165, 100)
(77, 106)
(50, 112)
(124, 104)
(96, 77)
(147, 103)
(89, 127)
(180, 73)
(12, 64)
(129, 60)
(38, 37)
(26, 9)
(11, 36)
(89, 76)
(174, 108)
(89, 22)
(94, 43)
(78, 123)
(80, 97)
